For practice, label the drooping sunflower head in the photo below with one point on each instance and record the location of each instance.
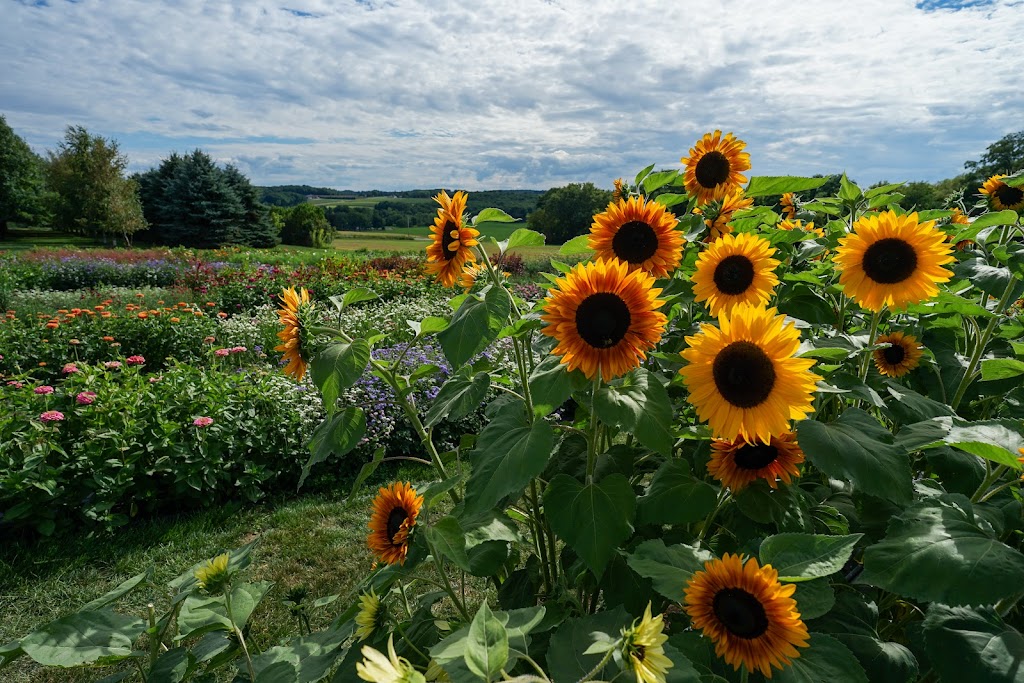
(715, 167)
(957, 217)
(739, 463)
(471, 274)
(743, 377)
(1001, 195)
(394, 514)
(619, 192)
(213, 575)
(604, 317)
(747, 613)
(452, 242)
(892, 260)
(295, 316)
(640, 233)
(371, 615)
(735, 269)
(900, 357)
(788, 205)
(643, 648)
(734, 201)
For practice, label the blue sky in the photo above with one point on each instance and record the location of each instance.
(400, 94)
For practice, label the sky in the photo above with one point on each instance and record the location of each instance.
(506, 94)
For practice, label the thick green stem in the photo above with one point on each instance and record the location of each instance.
(448, 586)
(539, 540)
(600, 665)
(154, 634)
(238, 633)
(595, 429)
(865, 363)
(723, 497)
(979, 349)
(989, 479)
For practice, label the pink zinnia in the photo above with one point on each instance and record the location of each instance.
(134, 360)
(238, 349)
(86, 397)
(51, 416)
(221, 352)
(45, 389)
(112, 365)
(203, 421)
(16, 384)
(70, 368)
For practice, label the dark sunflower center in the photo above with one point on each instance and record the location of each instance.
(895, 354)
(740, 612)
(889, 261)
(395, 519)
(639, 651)
(744, 374)
(1009, 196)
(734, 274)
(447, 239)
(712, 169)
(635, 242)
(756, 456)
(602, 320)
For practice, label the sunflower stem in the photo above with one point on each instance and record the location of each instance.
(997, 489)
(989, 479)
(448, 586)
(865, 363)
(539, 540)
(600, 665)
(743, 673)
(979, 348)
(595, 427)
(723, 497)
(1004, 606)
(238, 632)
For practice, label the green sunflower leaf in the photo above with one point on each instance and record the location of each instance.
(966, 644)
(576, 245)
(475, 324)
(814, 598)
(825, 660)
(638, 403)
(337, 367)
(675, 496)
(802, 557)
(668, 567)
(593, 519)
(90, 637)
(493, 216)
(658, 180)
(458, 397)
(1001, 368)
(338, 434)
(486, 645)
(762, 186)
(566, 656)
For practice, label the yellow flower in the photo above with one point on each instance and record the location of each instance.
(900, 357)
(370, 616)
(295, 344)
(788, 205)
(739, 463)
(735, 269)
(212, 576)
(733, 202)
(376, 668)
(715, 167)
(796, 224)
(640, 233)
(643, 648)
(1001, 195)
(394, 514)
(451, 241)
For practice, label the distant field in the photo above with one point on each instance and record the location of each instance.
(499, 231)
(368, 202)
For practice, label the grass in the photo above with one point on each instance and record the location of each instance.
(22, 239)
(370, 202)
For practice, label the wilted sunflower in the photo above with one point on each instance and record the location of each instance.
(471, 274)
(619, 193)
(451, 242)
(892, 260)
(715, 167)
(604, 317)
(1001, 195)
(740, 462)
(742, 376)
(640, 233)
(788, 205)
(295, 338)
(733, 202)
(378, 668)
(735, 269)
(643, 648)
(751, 617)
(898, 359)
(394, 514)
(371, 615)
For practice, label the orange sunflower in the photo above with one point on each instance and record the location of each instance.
(740, 462)
(900, 357)
(640, 233)
(747, 613)
(715, 167)
(604, 317)
(394, 514)
(735, 269)
(295, 339)
(788, 205)
(451, 241)
(1001, 195)
(797, 224)
(734, 201)
(892, 260)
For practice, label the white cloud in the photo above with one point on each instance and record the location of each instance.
(399, 94)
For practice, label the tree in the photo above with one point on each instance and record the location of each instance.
(22, 185)
(565, 212)
(92, 195)
(307, 226)
(257, 228)
(1004, 156)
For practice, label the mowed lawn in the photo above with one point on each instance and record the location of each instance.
(415, 239)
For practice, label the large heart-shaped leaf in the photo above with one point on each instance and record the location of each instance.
(592, 518)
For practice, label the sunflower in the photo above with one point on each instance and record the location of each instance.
(643, 648)
(394, 514)
(715, 167)
(742, 376)
(751, 617)
(295, 342)
(1001, 195)
(957, 217)
(797, 224)
(900, 357)
(734, 201)
(371, 615)
(603, 317)
(619, 193)
(788, 205)
(471, 274)
(892, 260)
(640, 233)
(451, 242)
(378, 668)
(735, 269)
(213, 576)
(740, 462)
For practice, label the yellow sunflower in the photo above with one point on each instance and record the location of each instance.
(734, 201)
(735, 269)
(742, 376)
(371, 615)
(451, 241)
(715, 167)
(603, 317)
(958, 217)
(619, 193)
(740, 462)
(295, 341)
(796, 224)
(1001, 195)
(394, 514)
(471, 274)
(643, 648)
(788, 205)
(378, 668)
(749, 615)
(898, 359)
(892, 260)
(213, 575)
(640, 233)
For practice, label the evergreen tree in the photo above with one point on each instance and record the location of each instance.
(22, 187)
(257, 228)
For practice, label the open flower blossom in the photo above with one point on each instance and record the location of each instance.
(202, 421)
(134, 360)
(112, 365)
(70, 368)
(85, 398)
(51, 416)
(222, 353)
(43, 390)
